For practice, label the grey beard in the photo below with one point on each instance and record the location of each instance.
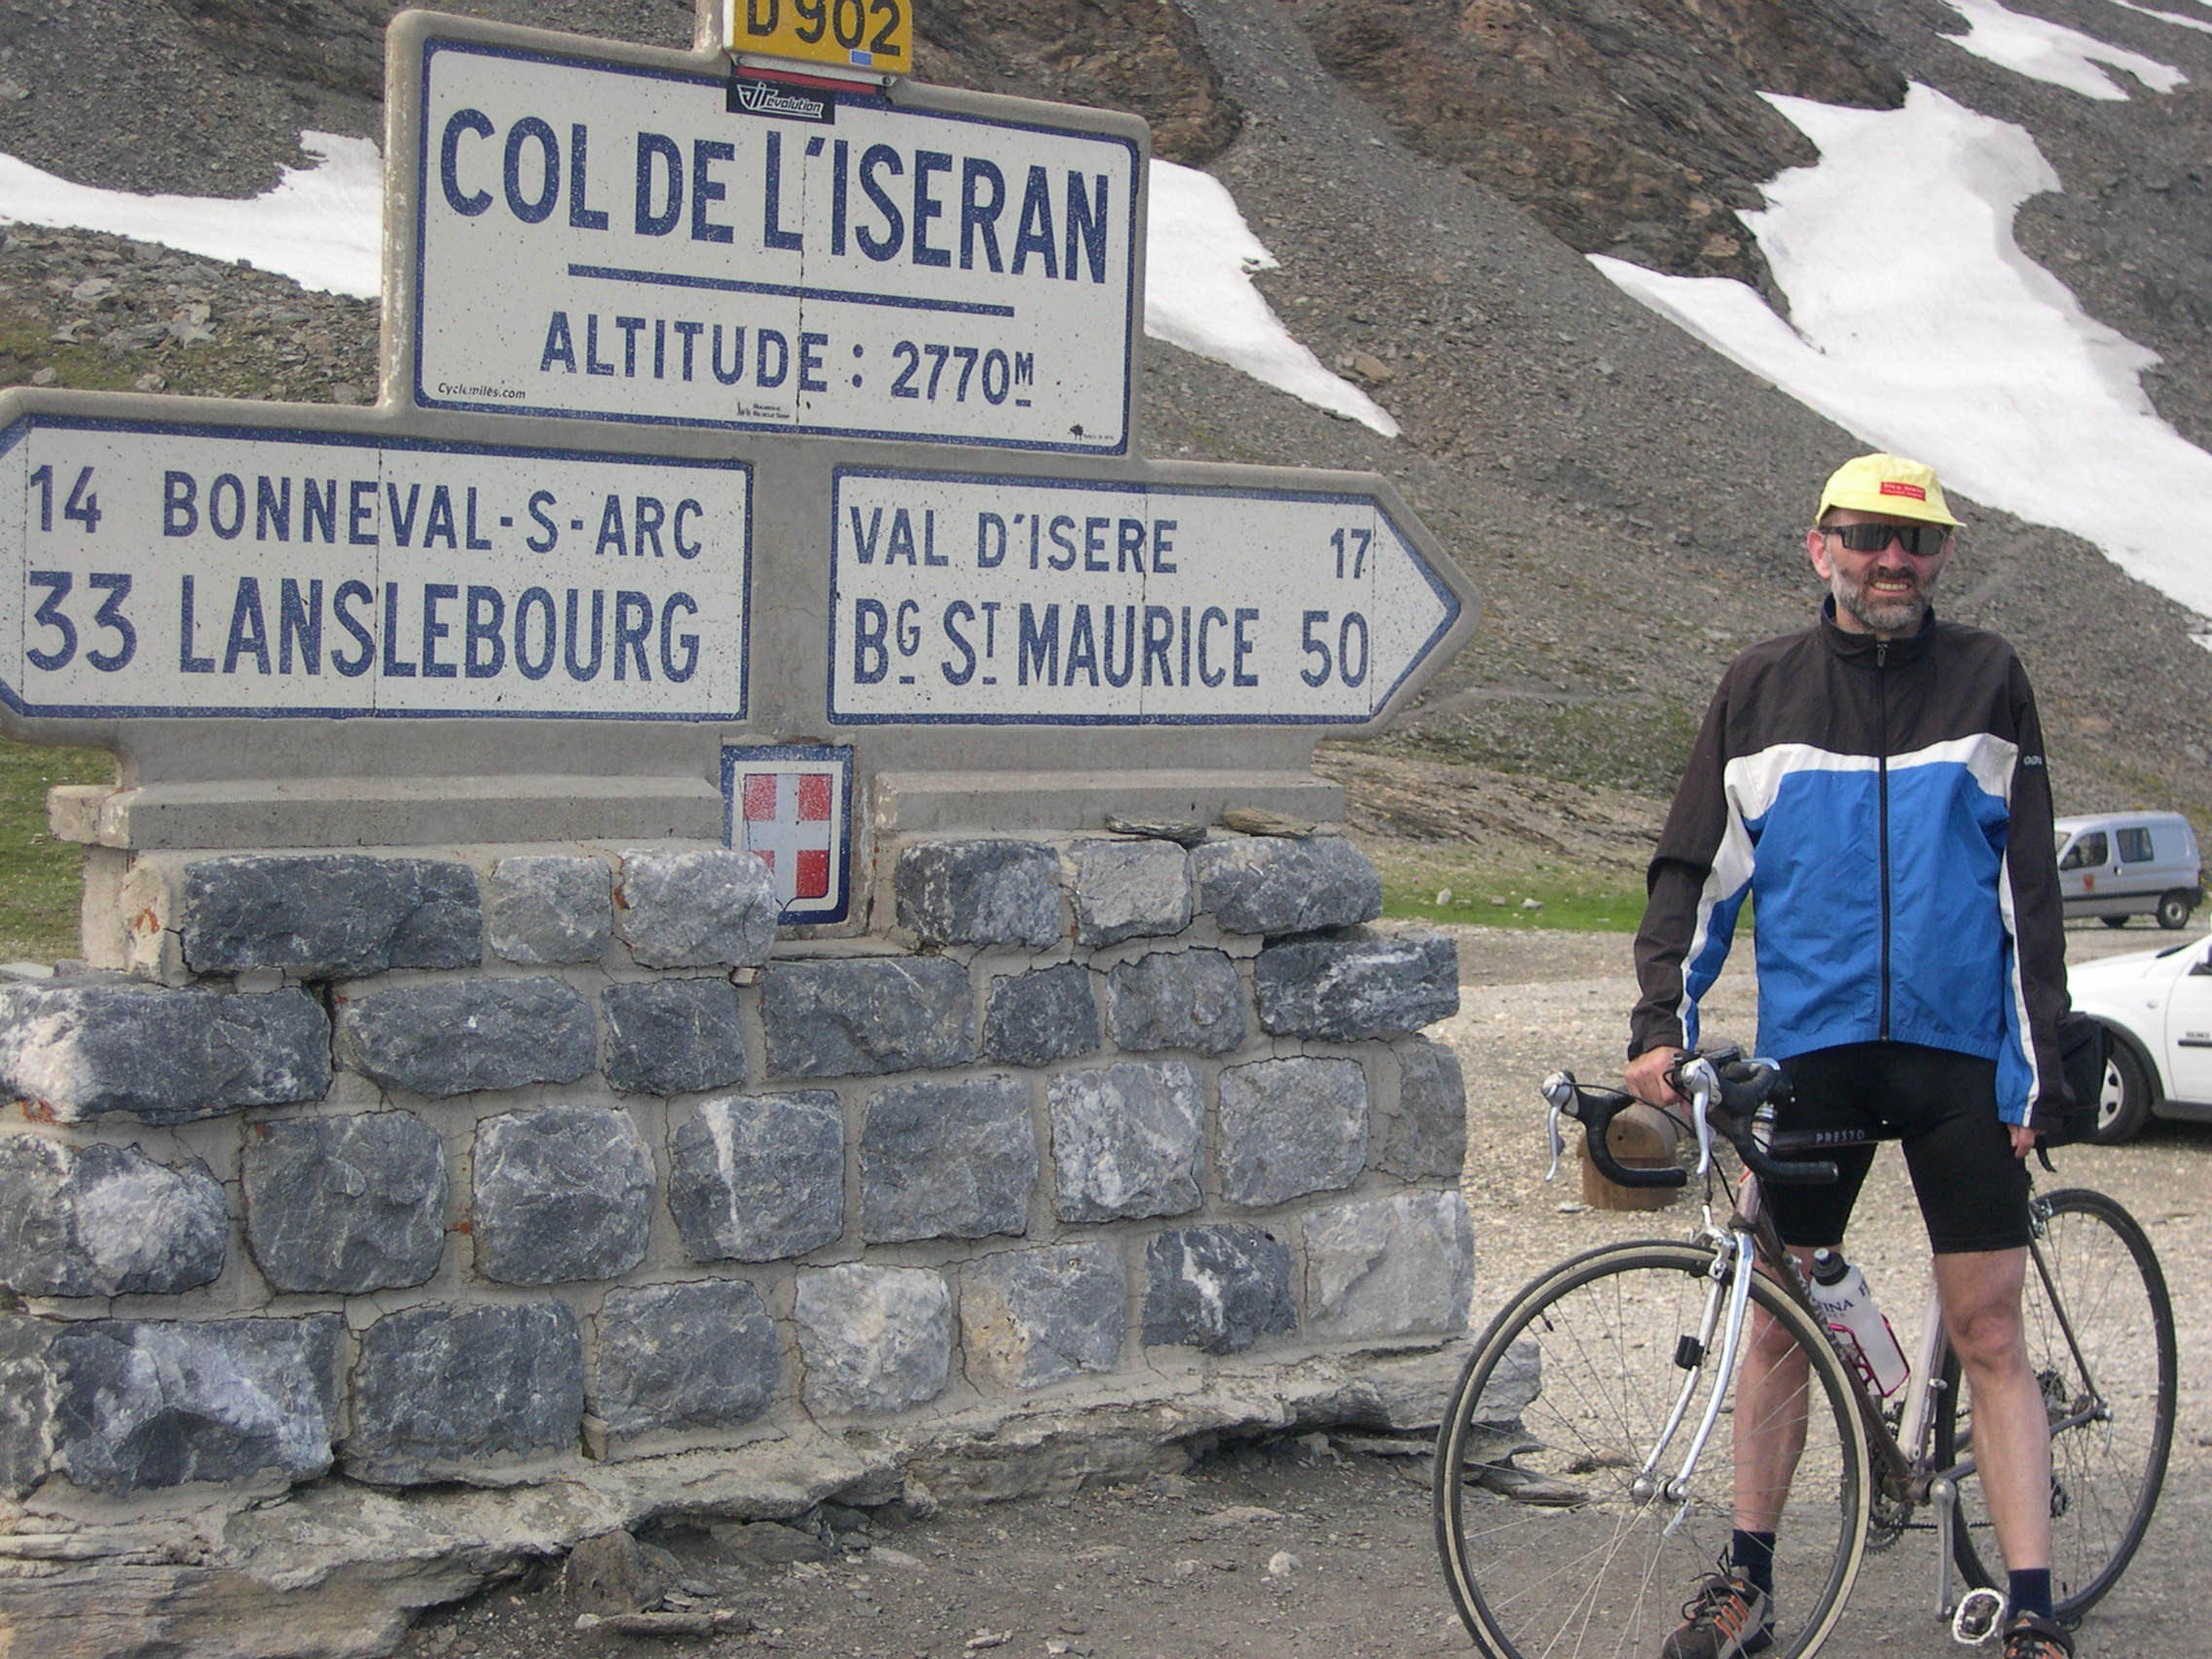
(1882, 617)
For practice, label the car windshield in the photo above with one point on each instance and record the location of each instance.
(2088, 853)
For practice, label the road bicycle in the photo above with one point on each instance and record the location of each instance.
(1585, 1472)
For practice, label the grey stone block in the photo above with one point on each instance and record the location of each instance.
(1516, 1382)
(867, 1016)
(1390, 1268)
(697, 908)
(137, 1404)
(1031, 1318)
(1346, 990)
(165, 1056)
(345, 1205)
(544, 910)
(979, 893)
(873, 1338)
(1127, 1140)
(1264, 885)
(686, 1356)
(1032, 1019)
(562, 1193)
(1428, 1137)
(1291, 1126)
(673, 1036)
(106, 1221)
(946, 1160)
(1129, 890)
(330, 915)
(466, 1035)
(437, 1390)
(1219, 1289)
(754, 1178)
(27, 1404)
(1177, 999)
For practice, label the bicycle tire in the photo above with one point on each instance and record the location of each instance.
(2106, 1476)
(1555, 1555)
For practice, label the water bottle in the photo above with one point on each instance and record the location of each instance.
(1840, 1293)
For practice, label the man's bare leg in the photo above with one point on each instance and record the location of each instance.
(1980, 1295)
(1770, 1418)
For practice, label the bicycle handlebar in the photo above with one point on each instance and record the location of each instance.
(1726, 1093)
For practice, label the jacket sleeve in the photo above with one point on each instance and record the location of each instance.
(2031, 1079)
(1680, 915)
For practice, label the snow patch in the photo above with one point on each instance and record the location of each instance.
(1199, 295)
(2043, 51)
(1945, 342)
(2166, 17)
(322, 225)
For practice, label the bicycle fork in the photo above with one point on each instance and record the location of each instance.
(1726, 1304)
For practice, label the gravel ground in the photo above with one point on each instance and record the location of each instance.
(1308, 1546)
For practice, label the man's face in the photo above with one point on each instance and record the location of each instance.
(1885, 593)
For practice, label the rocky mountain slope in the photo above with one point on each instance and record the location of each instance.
(1430, 178)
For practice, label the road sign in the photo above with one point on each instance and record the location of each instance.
(963, 600)
(154, 569)
(625, 241)
(853, 34)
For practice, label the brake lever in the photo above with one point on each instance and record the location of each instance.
(1705, 1088)
(1558, 1092)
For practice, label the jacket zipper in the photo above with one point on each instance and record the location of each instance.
(1882, 796)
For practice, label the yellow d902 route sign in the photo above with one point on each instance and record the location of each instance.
(853, 34)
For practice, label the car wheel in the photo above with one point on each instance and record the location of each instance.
(2114, 921)
(2124, 1106)
(2173, 911)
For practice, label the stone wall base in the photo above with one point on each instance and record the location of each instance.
(339, 1571)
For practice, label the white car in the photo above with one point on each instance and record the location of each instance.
(2158, 1007)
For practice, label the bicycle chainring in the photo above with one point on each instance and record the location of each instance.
(1891, 1517)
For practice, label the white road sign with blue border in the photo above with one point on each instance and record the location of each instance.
(615, 242)
(994, 600)
(152, 570)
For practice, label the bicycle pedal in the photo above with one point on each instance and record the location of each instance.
(1976, 1619)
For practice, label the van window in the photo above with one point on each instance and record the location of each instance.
(2135, 845)
(2086, 853)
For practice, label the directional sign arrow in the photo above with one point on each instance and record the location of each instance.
(969, 600)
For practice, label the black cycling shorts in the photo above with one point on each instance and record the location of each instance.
(1942, 1106)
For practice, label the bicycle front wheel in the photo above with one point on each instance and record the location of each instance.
(2101, 1342)
(1551, 1543)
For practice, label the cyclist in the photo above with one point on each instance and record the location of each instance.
(1877, 781)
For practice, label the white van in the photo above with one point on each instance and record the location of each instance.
(2119, 865)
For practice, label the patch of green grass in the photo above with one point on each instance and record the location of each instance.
(41, 879)
(1591, 905)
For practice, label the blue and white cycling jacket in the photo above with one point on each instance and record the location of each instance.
(1886, 810)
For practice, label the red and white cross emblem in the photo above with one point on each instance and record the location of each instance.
(787, 818)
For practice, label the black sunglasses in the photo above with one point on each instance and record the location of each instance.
(1918, 539)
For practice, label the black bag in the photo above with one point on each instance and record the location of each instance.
(2083, 1043)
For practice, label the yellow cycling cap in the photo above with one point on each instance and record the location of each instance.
(1889, 484)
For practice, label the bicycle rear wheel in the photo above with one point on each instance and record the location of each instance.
(2108, 1461)
(1548, 1548)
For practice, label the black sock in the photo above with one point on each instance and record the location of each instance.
(2028, 1590)
(1751, 1554)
